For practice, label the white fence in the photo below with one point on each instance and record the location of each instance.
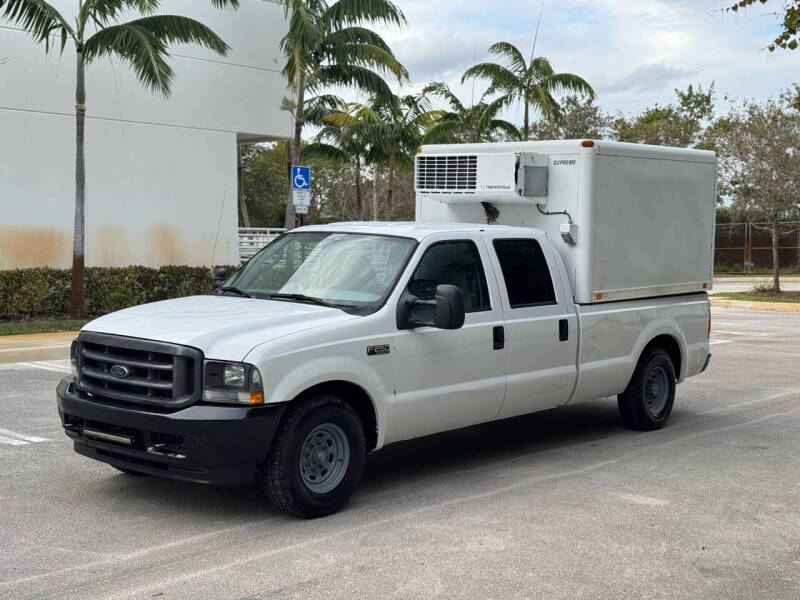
(253, 239)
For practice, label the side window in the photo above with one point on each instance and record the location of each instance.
(456, 263)
(525, 272)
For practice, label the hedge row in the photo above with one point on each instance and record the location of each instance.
(44, 292)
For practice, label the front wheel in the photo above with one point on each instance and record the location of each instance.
(316, 459)
(647, 401)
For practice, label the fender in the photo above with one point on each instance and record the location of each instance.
(305, 375)
(661, 326)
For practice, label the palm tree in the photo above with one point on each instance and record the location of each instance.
(478, 123)
(345, 137)
(328, 45)
(534, 83)
(403, 122)
(142, 43)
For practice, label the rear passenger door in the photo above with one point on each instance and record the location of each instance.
(540, 325)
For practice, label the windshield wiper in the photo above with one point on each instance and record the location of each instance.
(235, 290)
(300, 298)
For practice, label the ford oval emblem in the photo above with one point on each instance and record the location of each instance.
(120, 371)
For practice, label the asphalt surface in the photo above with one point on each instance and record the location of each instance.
(563, 504)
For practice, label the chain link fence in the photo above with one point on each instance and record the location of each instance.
(747, 248)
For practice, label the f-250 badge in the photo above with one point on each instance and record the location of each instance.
(374, 350)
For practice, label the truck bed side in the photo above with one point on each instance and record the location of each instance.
(613, 335)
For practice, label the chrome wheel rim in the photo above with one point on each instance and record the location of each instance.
(324, 457)
(656, 391)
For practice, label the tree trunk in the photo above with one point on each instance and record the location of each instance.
(77, 301)
(776, 262)
(526, 124)
(359, 202)
(389, 192)
(289, 221)
(242, 201)
(375, 215)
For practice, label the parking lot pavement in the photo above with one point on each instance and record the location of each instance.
(563, 504)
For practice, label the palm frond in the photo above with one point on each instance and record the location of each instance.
(323, 151)
(439, 88)
(142, 50)
(366, 55)
(560, 83)
(356, 12)
(512, 54)
(501, 78)
(175, 29)
(351, 76)
(356, 35)
(103, 11)
(38, 18)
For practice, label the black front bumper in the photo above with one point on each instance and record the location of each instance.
(206, 444)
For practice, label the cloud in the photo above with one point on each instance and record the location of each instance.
(647, 78)
(632, 52)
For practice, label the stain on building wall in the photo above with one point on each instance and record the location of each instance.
(22, 246)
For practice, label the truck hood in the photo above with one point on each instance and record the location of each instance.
(223, 327)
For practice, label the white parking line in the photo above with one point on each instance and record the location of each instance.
(55, 366)
(719, 342)
(29, 348)
(11, 441)
(21, 438)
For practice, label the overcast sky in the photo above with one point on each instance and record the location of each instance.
(633, 52)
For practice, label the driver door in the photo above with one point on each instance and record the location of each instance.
(446, 379)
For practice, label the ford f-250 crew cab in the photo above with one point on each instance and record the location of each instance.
(336, 340)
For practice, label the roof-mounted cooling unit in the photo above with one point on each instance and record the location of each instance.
(512, 178)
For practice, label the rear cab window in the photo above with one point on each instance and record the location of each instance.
(525, 272)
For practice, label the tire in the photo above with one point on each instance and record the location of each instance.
(127, 471)
(316, 458)
(647, 401)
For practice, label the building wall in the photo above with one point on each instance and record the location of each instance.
(161, 174)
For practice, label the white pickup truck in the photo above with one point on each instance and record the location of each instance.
(336, 340)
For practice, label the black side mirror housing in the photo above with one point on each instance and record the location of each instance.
(220, 277)
(448, 309)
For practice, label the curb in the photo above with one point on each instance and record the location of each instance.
(35, 346)
(782, 307)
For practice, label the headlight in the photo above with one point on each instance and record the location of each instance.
(232, 383)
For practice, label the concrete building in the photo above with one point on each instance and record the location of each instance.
(161, 174)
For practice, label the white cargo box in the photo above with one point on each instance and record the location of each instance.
(642, 217)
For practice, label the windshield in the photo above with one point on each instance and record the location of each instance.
(338, 268)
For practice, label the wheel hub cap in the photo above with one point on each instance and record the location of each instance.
(656, 392)
(324, 457)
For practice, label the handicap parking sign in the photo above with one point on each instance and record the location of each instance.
(301, 177)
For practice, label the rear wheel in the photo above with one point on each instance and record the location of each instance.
(647, 401)
(316, 459)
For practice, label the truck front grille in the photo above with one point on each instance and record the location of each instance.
(446, 173)
(138, 371)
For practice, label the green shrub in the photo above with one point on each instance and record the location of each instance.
(44, 292)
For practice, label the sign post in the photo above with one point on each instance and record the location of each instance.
(301, 190)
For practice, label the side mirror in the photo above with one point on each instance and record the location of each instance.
(219, 278)
(449, 307)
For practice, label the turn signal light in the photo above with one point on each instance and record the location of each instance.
(256, 397)
(587, 143)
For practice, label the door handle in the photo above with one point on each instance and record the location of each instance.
(563, 330)
(498, 338)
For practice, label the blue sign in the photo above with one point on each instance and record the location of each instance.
(301, 177)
